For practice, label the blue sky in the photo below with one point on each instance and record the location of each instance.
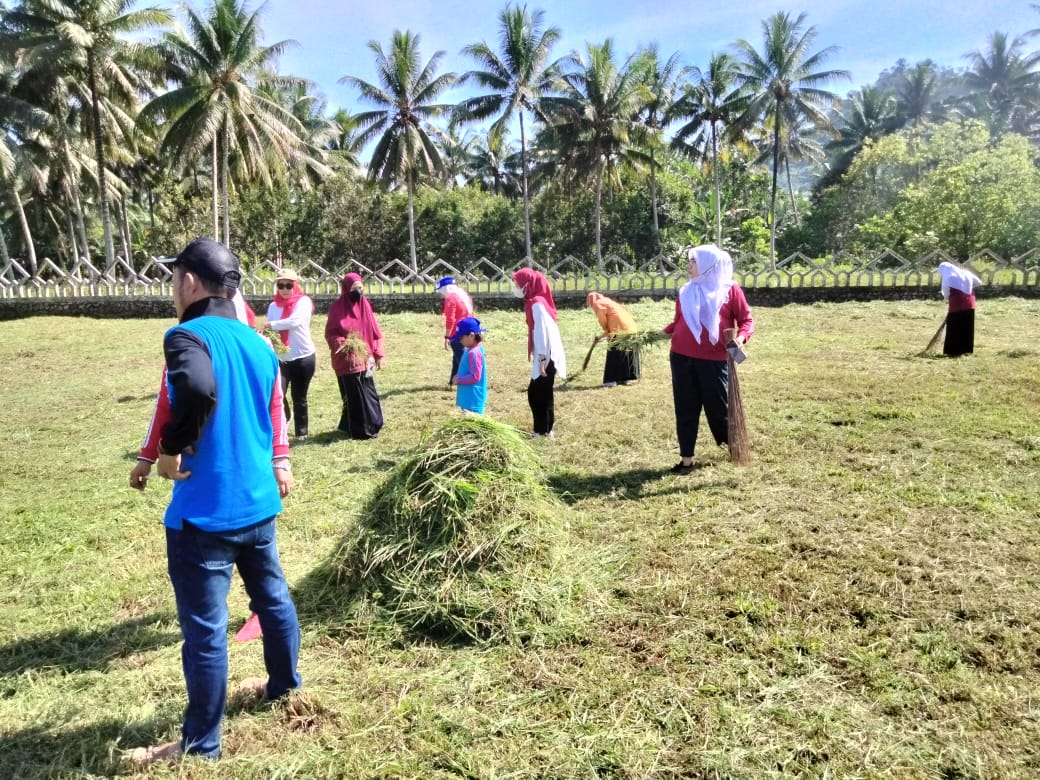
(332, 34)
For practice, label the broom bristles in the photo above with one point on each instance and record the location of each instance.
(736, 433)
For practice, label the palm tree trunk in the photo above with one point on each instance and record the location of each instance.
(77, 201)
(599, 201)
(72, 231)
(5, 256)
(99, 153)
(30, 247)
(653, 200)
(124, 230)
(411, 225)
(225, 184)
(772, 191)
(527, 200)
(790, 189)
(718, 186)
(216, 190)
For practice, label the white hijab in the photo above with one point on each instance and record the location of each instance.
(957, 278)
(454, 289)
(701, 298)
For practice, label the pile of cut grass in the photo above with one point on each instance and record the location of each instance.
(463, 543)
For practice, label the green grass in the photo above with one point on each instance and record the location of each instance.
(860, 601)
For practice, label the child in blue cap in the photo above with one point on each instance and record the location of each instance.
(471, 380)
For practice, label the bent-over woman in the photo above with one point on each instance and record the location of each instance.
(710, 302)
(958, 288)
(622, 365)
(356, 342)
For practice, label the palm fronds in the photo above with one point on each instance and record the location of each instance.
(637, 339)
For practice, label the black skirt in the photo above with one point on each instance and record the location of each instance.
(960, 333)
(362, 416)
(622, 366)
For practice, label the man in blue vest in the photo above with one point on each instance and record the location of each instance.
(221, 439)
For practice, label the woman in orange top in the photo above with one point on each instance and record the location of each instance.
(622, 365)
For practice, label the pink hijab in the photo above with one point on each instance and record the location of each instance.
(536, 289)
(356, 316)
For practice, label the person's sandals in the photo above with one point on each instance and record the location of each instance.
(682, 468)
(153, 754)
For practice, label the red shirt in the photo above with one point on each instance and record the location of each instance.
(454, 308)
(961, 301)
(734, 313)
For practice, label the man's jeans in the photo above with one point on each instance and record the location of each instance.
(200, 565)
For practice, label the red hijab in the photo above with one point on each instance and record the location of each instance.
(356, 316)
(536, 289)
(287, 305)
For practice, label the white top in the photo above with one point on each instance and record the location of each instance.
(547, 341)
(299, 326)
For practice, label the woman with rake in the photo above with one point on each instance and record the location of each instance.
(622, 364)
(708, 303)
(958, 288)
(544, 347)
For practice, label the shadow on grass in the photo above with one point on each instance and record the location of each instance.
(423, 389)
(627, 485)
(75, 650)
(55, 750)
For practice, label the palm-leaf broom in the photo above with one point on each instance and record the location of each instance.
(935, 339)
(739, 446)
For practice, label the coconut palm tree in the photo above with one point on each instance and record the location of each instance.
(872, 113)
(784, 73)
(709, 104)
(595, 121)
(518, 77)
(1004, 85)
(496, 165)
(917, 95)
(217, 65)
(99, 42)
(660, 86)
(405, 151)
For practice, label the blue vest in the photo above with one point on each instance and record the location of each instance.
(232, 484)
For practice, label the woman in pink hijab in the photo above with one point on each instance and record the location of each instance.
(356, 342)
(544, 347)
(710, 302)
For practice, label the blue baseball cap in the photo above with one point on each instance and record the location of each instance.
(445, 281)
(466, 326)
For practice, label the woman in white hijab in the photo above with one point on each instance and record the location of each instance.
(958, 288)
(708, 303)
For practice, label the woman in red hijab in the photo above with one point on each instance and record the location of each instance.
(544, 347)
(356, 342)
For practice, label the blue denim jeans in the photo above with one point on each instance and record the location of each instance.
(200, 566)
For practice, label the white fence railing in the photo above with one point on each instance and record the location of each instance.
(888, 269)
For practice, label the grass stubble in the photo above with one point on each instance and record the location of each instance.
(860, 601)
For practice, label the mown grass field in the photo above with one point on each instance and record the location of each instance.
(862, 601)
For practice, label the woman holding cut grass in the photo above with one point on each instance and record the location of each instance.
(356, 342)
(544, 347)
(708, 303)
(622, 365)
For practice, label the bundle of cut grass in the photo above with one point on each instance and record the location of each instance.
(354, 345)
(463, 543)
(638, 339)
(276, 341)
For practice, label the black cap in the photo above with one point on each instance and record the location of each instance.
(210, 260)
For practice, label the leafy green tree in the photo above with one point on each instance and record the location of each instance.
(518, 77)
(100, 41)
(405, 151)
(781, 79)
(217, 65)
(496, 164)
